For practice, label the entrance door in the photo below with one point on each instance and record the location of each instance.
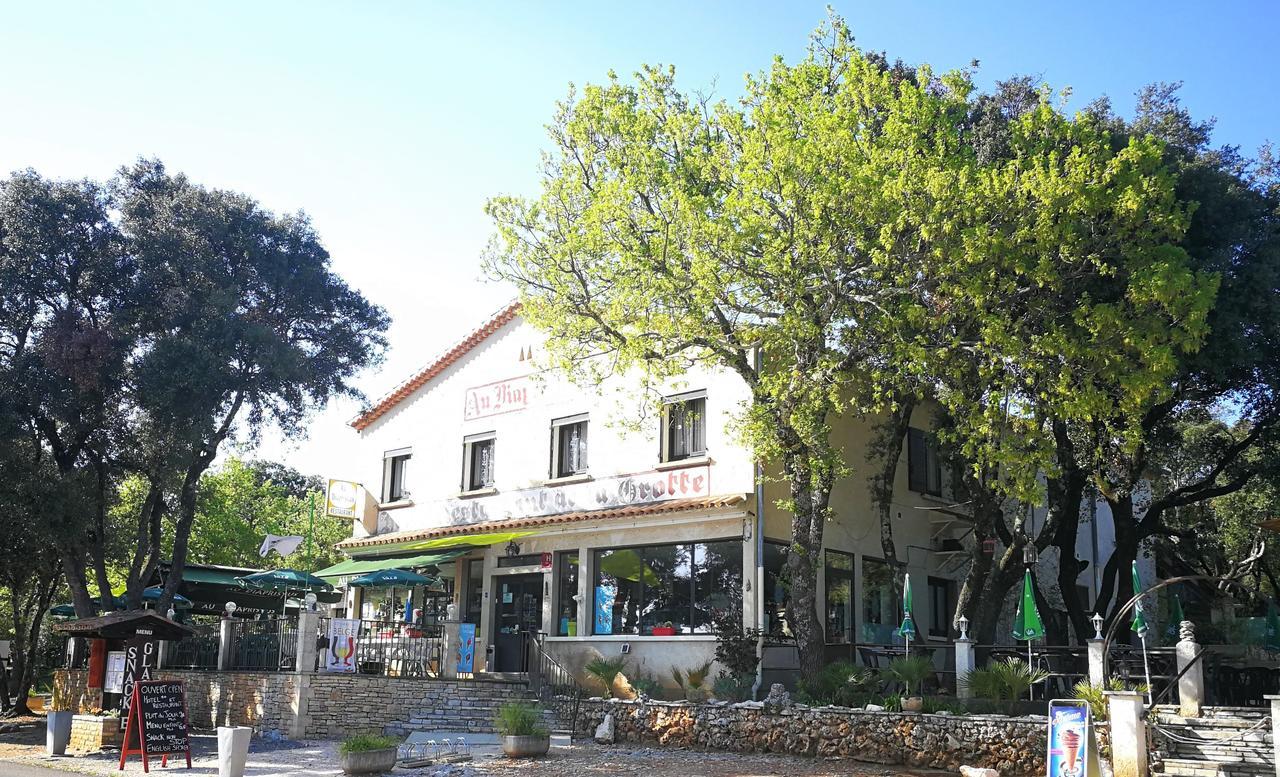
(517, 611)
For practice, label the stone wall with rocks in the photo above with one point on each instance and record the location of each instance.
(331, 705)
(1013, 746)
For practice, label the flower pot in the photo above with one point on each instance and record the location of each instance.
(368, 761)
(912, 704)
(35, 703)
(526, 746)
(57, 731)
(664, 631)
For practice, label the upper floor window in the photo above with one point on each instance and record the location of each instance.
(924, 468)
(569, 446)
(395, 469)
(939, 607)
(477, 461)
(684, 420)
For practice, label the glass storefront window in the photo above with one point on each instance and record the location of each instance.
(566, 589)
(475, 590)
(839, 585)
(665, 589)
(880, 607)
(775, 590)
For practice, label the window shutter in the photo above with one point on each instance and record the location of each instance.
(916, 461)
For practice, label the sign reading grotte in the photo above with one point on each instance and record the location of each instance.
(505, 396)
(340, 499)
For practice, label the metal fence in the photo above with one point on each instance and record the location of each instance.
(395, 649)
(265, 645)
(196, 651)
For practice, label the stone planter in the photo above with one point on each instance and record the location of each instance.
(912, 704)
(93, 733)
(233, 750)
(368, 761)
(526, 746)
(57, 732)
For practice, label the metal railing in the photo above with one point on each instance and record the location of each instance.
(555, 687)
(266, 645)
(397, 649)
(196, 651)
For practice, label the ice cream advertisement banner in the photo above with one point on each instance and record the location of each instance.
(466, 648)
(1069, 739)
(605, 594)
(341, 654)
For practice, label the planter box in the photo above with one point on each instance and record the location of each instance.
(525, 747)
(92, 733)
(368, 762)
(664, 631)
(57, 732)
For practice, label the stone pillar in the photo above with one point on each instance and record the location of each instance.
(308, 628)
(1097, 677)
(225, 648)
(964, 665)
(1191, 684)
(1128, 733)
(1275, 728)
(449, 650)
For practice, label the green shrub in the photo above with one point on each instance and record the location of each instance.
(694, 678)
(645, 685)
(1093, 694)
(362, 743)
(606, 670)
(911, 671)
(735, 646)
(519, 720)
(841, 683)
(729, 687)
(1004, 680)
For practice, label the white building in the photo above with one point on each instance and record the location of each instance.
(616, 521)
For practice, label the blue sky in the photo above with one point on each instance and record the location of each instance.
(390, 123)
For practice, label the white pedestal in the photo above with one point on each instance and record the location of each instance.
(1191, 684)
(1128, 733)
(964, 665)
(233, 750)
(1097, 677)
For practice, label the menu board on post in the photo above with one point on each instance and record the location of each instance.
(1072, 751)
(157, 723)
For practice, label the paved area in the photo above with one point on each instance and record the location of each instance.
(22, 755)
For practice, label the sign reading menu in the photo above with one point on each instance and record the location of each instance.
(157, 722)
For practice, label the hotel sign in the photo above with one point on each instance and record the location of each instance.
(340, 499)
(505, 396)
(619, 491)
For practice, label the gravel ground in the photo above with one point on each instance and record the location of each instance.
(269, 758)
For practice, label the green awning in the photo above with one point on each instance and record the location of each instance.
(357, 566)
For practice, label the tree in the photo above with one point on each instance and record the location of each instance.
(151, 320)
(673, 231)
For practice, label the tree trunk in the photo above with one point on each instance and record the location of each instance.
(1117, 582)
(810, 497)
(888, 449)
(1064, 494)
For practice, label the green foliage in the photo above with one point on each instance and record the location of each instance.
(362, 743)
(1007, 680)
(1094, 694)
(736, 646)
(728, 687)
(841, 683)
(910, 671)
(645, 686)
(519, 720)
(606, 670)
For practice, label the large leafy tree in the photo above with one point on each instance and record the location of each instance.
(149, 321)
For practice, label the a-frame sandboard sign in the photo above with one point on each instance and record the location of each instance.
(157, 723)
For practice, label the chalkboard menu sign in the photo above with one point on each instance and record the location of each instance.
(157, 723)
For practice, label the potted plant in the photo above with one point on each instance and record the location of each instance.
(368, 754)
(665, 630)
(911, 671)
(522, 732)
(693, 681)
(58, 724)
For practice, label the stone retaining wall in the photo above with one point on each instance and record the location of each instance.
(1013, 746)
(331, 705)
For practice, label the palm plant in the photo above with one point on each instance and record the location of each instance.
(606, 670)
(1017, 676)
(910, 670)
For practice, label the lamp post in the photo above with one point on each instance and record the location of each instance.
(1096, 621)
(962, 623)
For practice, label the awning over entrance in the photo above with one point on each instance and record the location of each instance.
(357, 566)
(209, 587)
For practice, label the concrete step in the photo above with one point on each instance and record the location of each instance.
(1190, 767)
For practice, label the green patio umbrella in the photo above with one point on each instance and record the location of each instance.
(1026, 623)
(1176, 617)
(908, 627)
(393, 579)
(285, 580)
(1271, 640)
(1139, 625)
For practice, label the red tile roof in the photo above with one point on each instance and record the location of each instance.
(402, 392)
(608, 513)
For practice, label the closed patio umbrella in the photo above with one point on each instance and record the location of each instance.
(1026, 623)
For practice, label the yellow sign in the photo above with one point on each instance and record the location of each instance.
(340, 499)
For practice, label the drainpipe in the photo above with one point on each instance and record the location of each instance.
(759, 582)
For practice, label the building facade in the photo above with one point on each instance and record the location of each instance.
(623, 519)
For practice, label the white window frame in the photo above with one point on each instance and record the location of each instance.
(558, 426)
(468, 443)
(389, 463)
(665, 443)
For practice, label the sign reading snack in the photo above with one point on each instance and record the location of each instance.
(141, 654)
(340, 499)
(505, 396)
